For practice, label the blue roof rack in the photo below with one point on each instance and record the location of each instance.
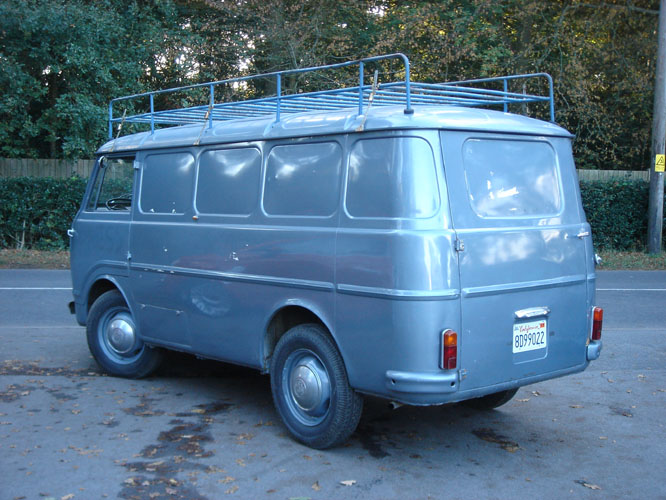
(474, 93)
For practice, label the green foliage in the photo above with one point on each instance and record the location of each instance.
(617, 212)
(36, 213)
(63, 60)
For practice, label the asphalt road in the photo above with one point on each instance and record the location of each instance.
(208, 430)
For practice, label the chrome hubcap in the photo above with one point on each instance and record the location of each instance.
(120, 334)
(309, 387)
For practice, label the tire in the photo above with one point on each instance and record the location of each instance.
(491, 401)
(113, 341)
(310, 388)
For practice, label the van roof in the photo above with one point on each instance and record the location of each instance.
(319, 123)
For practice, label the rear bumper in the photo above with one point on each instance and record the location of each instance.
(421, 387)
(593, 350)
(418, 388)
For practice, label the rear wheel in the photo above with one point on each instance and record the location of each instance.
(492, 400)
(311, 390)
(113, 340)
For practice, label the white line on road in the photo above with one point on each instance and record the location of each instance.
(9, 288)
(631, 289)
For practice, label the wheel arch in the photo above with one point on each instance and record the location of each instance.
(99, 286)
(282, 320)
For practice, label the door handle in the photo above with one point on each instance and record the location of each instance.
(582, 234)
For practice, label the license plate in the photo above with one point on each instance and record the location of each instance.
(530, 336)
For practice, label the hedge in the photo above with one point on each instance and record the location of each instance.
(36, 212)
(617, 211)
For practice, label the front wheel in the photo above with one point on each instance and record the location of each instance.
(311, 390)
(492, 400)
(113, 340)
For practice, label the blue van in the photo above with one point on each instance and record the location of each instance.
(396, 239)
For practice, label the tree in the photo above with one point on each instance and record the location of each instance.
(63, 60)
(600, 54)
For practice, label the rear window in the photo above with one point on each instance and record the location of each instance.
(509, 178)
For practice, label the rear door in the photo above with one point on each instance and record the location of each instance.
(517, 214)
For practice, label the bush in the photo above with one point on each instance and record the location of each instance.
(617, 211)
(36, 212)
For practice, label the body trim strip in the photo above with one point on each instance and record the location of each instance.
(393, 293)
(227, 276)
(523, 285)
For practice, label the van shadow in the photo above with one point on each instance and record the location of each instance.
(408, 432)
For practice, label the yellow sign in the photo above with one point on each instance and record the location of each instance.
(659, 163)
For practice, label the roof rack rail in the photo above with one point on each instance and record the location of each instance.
(471, 93)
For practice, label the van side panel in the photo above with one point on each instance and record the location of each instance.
(397, 285)
(209, 282)
(396, 292)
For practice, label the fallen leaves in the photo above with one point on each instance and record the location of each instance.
(587, 485)
(316, 486)
(348, 482)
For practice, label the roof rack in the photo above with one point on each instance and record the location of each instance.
(472, 93)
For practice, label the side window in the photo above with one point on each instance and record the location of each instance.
(303, 179)
(392, 178)
(229, 181)
(166, 183)
(510, 178)
(113, 185)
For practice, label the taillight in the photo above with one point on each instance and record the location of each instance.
(449, 350)
(597, 320)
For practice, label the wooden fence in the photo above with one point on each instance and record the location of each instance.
(60, 169)
(12, 167)
(603, 175)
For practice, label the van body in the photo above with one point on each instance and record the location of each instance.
(426, 258)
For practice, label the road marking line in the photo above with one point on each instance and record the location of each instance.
(9, 288)
(38, 327)
(631, 289)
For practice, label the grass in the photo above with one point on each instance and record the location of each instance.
(617, 260)
(36, 259)
(33, 259)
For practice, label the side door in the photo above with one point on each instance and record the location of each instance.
(100, 232)
(522, 261)
(160, 243)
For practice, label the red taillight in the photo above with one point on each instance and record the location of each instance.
(449, 350)
(597, 320)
